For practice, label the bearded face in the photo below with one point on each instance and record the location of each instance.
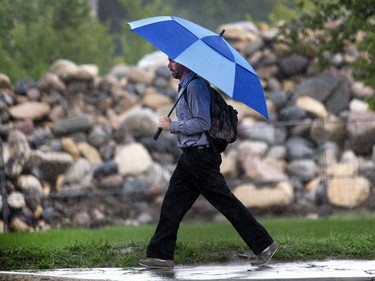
(177, 70)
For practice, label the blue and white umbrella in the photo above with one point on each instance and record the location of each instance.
(206, 53)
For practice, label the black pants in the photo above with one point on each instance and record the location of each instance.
(198, 172)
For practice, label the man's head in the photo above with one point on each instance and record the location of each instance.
(178, 70)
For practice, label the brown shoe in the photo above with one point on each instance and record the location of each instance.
(155, 263)
(264, 257)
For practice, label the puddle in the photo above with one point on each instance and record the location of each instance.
(319, 270)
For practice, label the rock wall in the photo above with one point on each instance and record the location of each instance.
(78, 147)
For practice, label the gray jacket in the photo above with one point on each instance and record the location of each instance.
(193, 116)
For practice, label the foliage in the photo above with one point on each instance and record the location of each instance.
(36, 33)
(285, 11)
(212, 13)
(337, 25)
(371, 102)
(300, 239)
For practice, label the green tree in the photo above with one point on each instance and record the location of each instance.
(36, 33)
(284, 11)
(339, 23)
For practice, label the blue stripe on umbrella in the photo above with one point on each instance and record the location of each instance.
(210, 65)
(249, 91)
(219, 46)
(168, 37)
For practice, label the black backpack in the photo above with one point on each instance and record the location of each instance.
(223, 122)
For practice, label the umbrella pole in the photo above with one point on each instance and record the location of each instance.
(180, 92)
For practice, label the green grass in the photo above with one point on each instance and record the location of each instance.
(299, 239)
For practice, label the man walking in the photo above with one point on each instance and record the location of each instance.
(198, 172)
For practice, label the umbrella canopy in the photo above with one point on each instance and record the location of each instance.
(206, 53)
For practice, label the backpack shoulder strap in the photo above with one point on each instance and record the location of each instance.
(209, 138)
(195, 76)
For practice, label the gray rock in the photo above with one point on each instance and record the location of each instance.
(277, 152)
(105, 169)
(163, 72)
(292, 112)
(298, 148)
(279, 98)
(332, 90)
(51, 164)
(262, 131)
(48, 215)
(99, 135)
(304, 169)
(73, 124)
(77, 171)
(293, 64)
(281, 134)
(107, 150)
(23, 85)
(140, 123)
(134, 186)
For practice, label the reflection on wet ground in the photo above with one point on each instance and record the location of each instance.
(313, 270)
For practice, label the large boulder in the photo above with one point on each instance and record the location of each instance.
(51, 164)
(30, 110)
(281, 195)
(348, 192)
(332, 90)
(132, 159)
(73, 124)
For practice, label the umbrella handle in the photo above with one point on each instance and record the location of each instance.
(157, 134)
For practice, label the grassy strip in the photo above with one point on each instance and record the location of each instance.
(299, 239)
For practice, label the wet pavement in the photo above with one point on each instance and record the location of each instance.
(313, 270)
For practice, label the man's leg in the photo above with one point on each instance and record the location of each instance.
(250, 230)
(214, 188)
(179, 198)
